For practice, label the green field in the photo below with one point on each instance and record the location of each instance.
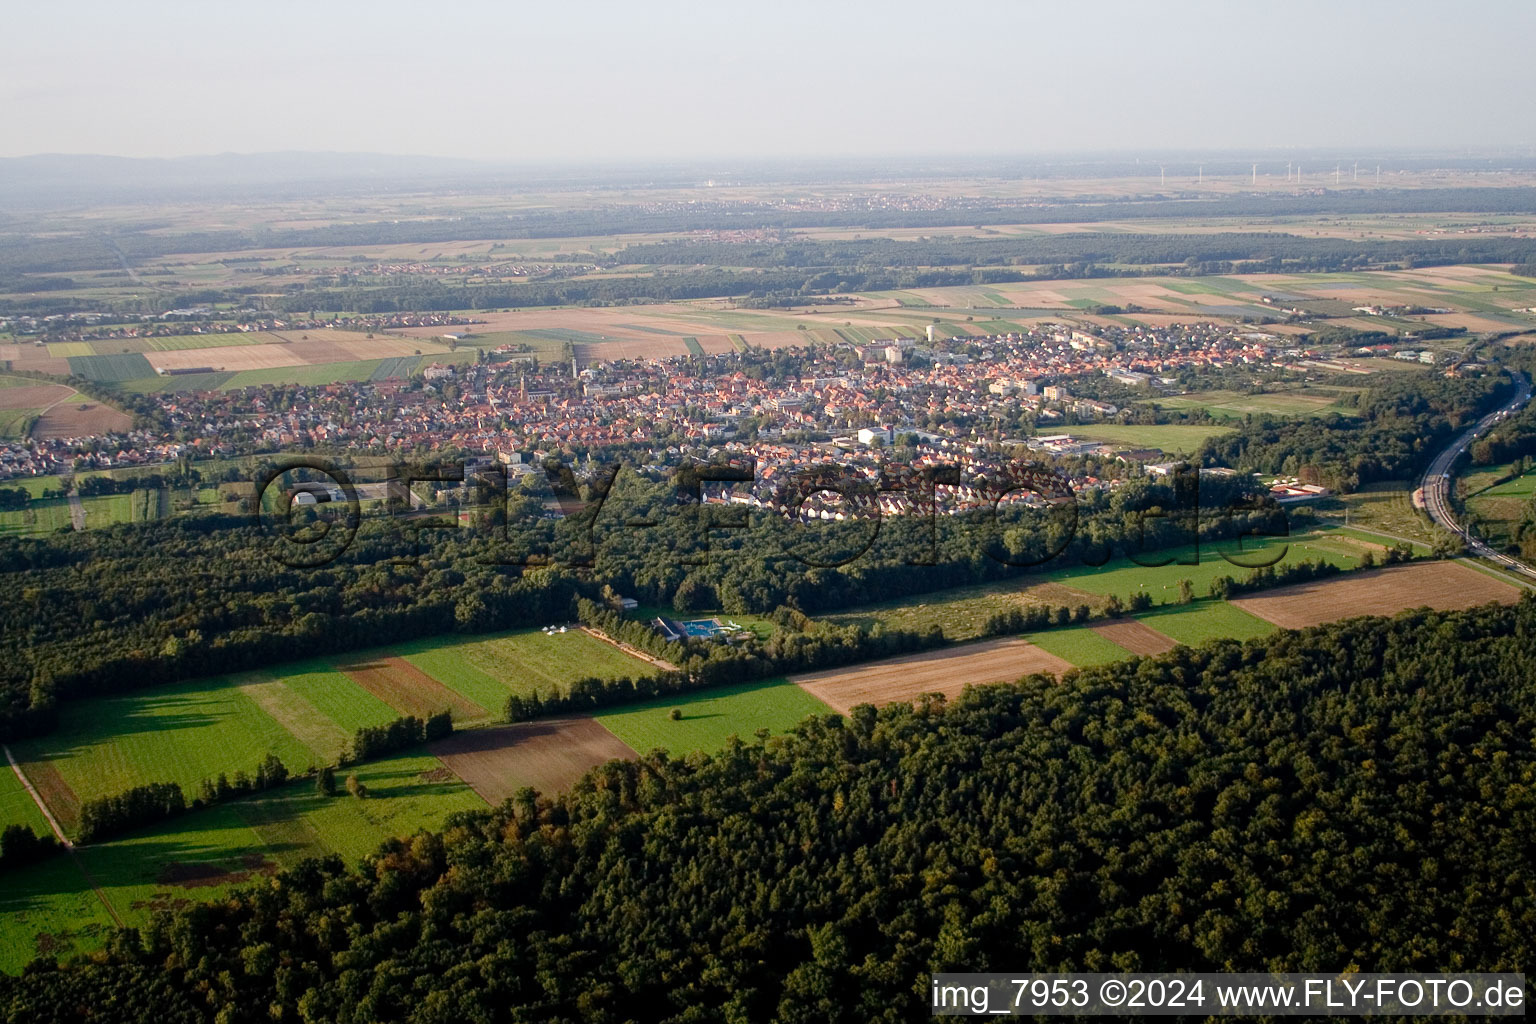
(1200, 621)
(107, 509)
(303, 712)
(1124, 576)
(1497, 504)
(66, 349)
(16, 422)
(494, 667)
(710, 717)
(320, 373)
(1231, 404)
(111, 369)
(180, 733)
(963, 611)
(203, 854)
(1521, 487)
(1079, 645)
(16, 804)
(178, 342)
(49, 908)
(42, 515)
(398, 366)
(180, 382)
(1386, 506)
(1175, 437)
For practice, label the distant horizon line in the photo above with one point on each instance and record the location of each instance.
(1484, 150)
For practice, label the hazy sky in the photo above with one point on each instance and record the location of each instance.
(558, 80)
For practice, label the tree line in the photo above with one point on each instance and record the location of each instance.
(1357, 794)
(81, 620)
(1396, 426)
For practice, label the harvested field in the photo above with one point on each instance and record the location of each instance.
(946, 671)
(79, 418)
(548, 755)
(55, 791)
(232, 357)
(33, 396)
(356, 347)
(716, 344)
(409, 690)
(1440, 585)
(35, 358)
(1136, 637)
(311, 353)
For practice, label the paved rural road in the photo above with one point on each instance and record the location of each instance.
(1437, 481)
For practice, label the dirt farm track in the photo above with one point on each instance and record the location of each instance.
(1444, 586)
(945, 671)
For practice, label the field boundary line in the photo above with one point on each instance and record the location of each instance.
(634, 652)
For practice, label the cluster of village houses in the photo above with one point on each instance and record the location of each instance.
(845, 406)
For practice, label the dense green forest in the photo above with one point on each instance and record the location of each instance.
(138, 605)
(1359, 794)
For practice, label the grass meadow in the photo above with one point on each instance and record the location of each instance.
(1195, 623)
(1170, 437)
(304, 713)
(1079, 645)
(963, 611)
(51, 907)
(710, 717)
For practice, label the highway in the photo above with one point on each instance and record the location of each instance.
(1437, 482)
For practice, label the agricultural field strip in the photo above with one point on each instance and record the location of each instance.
(1135, 636)
(303, 713)
(21, 804)
(1440, 585)
(408, 689)
(548, 755)
(946, 670)
(708, 718)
